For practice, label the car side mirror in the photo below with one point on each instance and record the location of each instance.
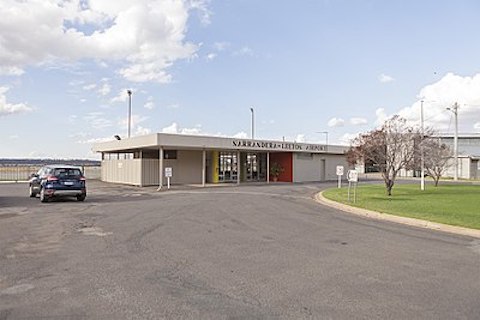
(34, 175)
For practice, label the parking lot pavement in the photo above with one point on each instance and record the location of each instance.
(251, 252)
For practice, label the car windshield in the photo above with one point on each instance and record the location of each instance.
(67, 172)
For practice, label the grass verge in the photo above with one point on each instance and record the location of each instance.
(457, 205)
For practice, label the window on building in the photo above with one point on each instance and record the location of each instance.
(170, 154)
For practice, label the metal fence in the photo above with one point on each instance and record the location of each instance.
(22, 172)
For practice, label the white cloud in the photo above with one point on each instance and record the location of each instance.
(7, 109)
(173, 106)
(240, 135)
(300, 138)
(97, 120)
(14, 136)
(136, 119)
(197, 130)
(442, 94)
(141, 131)
(211, 56)
(89, 86)
(384, 78)
(147, 36)
(476, 126)
(244, 51)
(104, 89)
(192, 131)
(95, 140)
(122, 96)
(358, 121)
(347, 138)
(271, 121)
(202, 7)
(336, 122)
(149, 104)
(381, 116)
(11, 70)
(102, 64)
(221, 46)
(175, 128)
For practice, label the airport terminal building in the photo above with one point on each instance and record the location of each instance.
(147, 160)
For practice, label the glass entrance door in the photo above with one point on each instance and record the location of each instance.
(256, 167)
(227, 167)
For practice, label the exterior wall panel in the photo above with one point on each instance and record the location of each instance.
(317, 167)
(186, 169)
(307, 168)
(150, 172)
(190, 163)
(122, 171)
(285, 159)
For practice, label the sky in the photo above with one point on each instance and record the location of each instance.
(197, 67)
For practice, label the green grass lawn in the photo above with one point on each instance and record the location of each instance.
(457, 205)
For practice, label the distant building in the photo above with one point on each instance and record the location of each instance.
(468, 157)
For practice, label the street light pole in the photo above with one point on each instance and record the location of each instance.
(253, 123)
(129, 92)
(454, 109)
(422, 155)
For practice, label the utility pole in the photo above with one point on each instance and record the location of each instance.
(454, 109)
(129, 92)
(422, 155)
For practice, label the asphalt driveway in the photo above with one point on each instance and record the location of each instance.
(248, 252)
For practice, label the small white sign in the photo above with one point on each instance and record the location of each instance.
(339, 170)
(352, 176)
(168, 172)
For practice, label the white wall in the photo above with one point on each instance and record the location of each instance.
(464, 166)
(473, 169)
(122, 171)
(187, 168)
(150, 172)
(310, 168)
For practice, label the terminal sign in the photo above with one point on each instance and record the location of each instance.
(277, 145)
(168, 172)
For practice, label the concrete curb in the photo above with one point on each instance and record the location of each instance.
(404, 220)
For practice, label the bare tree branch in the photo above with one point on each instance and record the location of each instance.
(391, 148)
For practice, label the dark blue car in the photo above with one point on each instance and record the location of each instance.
(54, 181)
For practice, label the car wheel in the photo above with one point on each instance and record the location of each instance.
(31, 193)
(81, 197)
(43, 198)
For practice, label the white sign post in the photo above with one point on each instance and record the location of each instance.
(339, 174)
(352, 176)
(168, 175)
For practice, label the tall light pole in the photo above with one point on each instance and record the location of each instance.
(454, 109)
(422, 155)
(253, 123)
(129, 111)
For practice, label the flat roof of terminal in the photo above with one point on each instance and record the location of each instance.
(197, 142)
